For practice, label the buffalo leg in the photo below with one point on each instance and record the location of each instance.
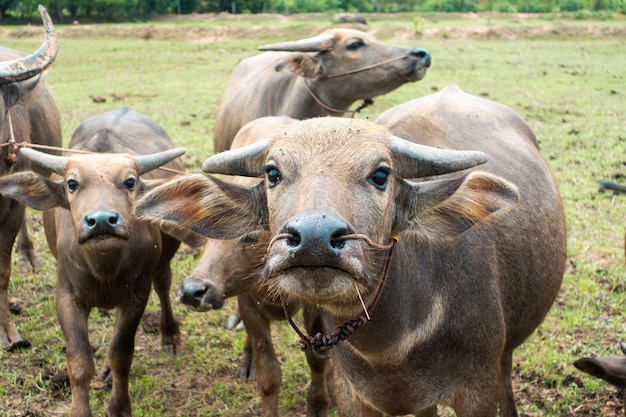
(268, 374)
(10, 338)
(507, 401)
(318, 401)
(246, 363)
(26, 257)
(170, 328)
(348, 401)
(79, 354)
(120, 357)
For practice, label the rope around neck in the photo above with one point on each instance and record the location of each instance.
(321, 342)
(366, 102)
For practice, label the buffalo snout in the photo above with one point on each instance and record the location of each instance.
(315, 238)
(199, 295)
(102, 223)
(422, 55)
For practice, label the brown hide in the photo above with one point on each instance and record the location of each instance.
(274, 83)
(35, 119)
(228, 268)
(479, 262)
(106, 258)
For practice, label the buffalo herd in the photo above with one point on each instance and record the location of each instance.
(423, 247)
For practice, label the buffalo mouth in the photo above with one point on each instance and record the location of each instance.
(415, 72)
(95, 238)
(314, 282)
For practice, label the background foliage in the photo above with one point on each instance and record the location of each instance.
(143, 10)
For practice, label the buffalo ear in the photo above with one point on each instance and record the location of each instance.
(206, 206)
(303, 65)
(34, 190)
(445, 208)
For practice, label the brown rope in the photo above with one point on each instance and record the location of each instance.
(365, 68)
(366, 102)
(321, 342)
(24, 144)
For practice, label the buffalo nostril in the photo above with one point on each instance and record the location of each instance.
(337, 241)
(294, 239)
(197, 295)
(113, 219)
(423, 55)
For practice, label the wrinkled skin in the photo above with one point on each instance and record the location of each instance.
(274, 83)
(35, 119)
(106, 258)
(479, 261)
(228, 268)
(612, 369)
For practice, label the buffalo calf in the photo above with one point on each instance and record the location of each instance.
(106, 258)
(229, 268)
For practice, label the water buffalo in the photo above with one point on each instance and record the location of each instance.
(227, 269)
(106, 258)
(350, 18)
(610, 368)
(478, 263)
(34, 118)
(319, 76)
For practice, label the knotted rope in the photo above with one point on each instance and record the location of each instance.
(321, 342)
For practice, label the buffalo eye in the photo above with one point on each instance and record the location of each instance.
(356, 44)
(130, 184)
(72, 185)
(379, 178)
(273, 176)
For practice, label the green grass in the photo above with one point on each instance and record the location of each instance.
(568, 82)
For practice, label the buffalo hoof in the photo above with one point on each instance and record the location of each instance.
(28, 261)
(20, 344)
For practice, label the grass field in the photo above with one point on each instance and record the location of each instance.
(566, 77)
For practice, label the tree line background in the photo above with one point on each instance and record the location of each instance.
(66, 11)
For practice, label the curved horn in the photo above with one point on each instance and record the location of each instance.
(247, 161)
(21, 69)
(146, 163)
(52, 163)
(417, 161)
(319, 43)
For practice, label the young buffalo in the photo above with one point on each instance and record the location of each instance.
(106, 258)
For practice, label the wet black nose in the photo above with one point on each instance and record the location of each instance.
(423, 55)
(102, 222)
(194, 292)
(315, 236)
